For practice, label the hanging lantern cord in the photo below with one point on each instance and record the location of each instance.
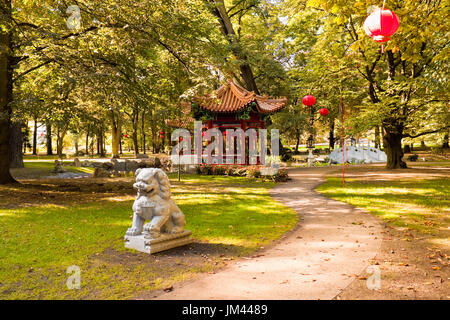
(382, 45)
(342, 141)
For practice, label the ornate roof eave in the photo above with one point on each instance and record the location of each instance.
(232, 98)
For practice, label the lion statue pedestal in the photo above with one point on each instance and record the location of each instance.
(165, 229)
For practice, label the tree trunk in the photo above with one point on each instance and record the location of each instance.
(104, 143)
(16, 139)
(407, 148)
(35, 137)
(48, 127)
(392, 142)
(76, 144)
(377, 137)
(143, 131)
(219, 10)
(135, 122)
(86, 143)
(116, 134)
(59, 146)
(91, 147)
(445, 142)
(152, 132)
(331, 137)
(98, 143)
(5, 97)
(100, 139)
(61, 130)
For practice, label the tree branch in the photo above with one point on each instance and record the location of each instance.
(32, 69)
(407, 135)
(242, 10)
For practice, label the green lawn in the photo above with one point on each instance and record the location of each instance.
(37, 169)
(39, 242)
(419, 204)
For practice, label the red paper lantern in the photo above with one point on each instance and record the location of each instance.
(181, 138)
(203, 134)
(381, 25)
(161, 136)
(125, 135)
(42, 134)
(323, 111)
(309, 100)
(161, 132)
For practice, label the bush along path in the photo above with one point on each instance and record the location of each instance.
(331, 246)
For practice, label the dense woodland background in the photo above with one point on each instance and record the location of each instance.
(128, 64)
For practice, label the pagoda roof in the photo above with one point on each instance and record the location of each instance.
(231, 98)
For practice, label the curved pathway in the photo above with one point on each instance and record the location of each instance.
(333, 242)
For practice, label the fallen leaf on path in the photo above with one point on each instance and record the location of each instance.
(436, 268)
(168, 289)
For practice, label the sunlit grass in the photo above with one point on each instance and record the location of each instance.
(40, 242)
(38, 169)
(419, 204)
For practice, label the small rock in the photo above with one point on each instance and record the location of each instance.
(168, 289)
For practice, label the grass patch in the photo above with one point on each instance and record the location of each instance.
(39, 242)
(419, 204)
(38, 169)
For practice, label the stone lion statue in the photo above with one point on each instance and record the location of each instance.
(153, 203)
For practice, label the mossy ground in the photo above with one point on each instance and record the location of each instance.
(48, 225)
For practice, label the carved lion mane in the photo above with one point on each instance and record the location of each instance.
(154, 203)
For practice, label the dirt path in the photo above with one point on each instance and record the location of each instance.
(333, 243)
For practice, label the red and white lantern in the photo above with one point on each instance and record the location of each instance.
(381, 25)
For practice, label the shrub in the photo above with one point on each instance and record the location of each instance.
(219, 170)
(281, 176)
(413, 157)
(240, 171)
(229, 170)
(286, 154)
(253, 172)
(204, 169)
(438, 150)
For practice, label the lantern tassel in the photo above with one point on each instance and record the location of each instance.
(382, 48)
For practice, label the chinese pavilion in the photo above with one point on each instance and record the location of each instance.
(231, 107)
(235, 107)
